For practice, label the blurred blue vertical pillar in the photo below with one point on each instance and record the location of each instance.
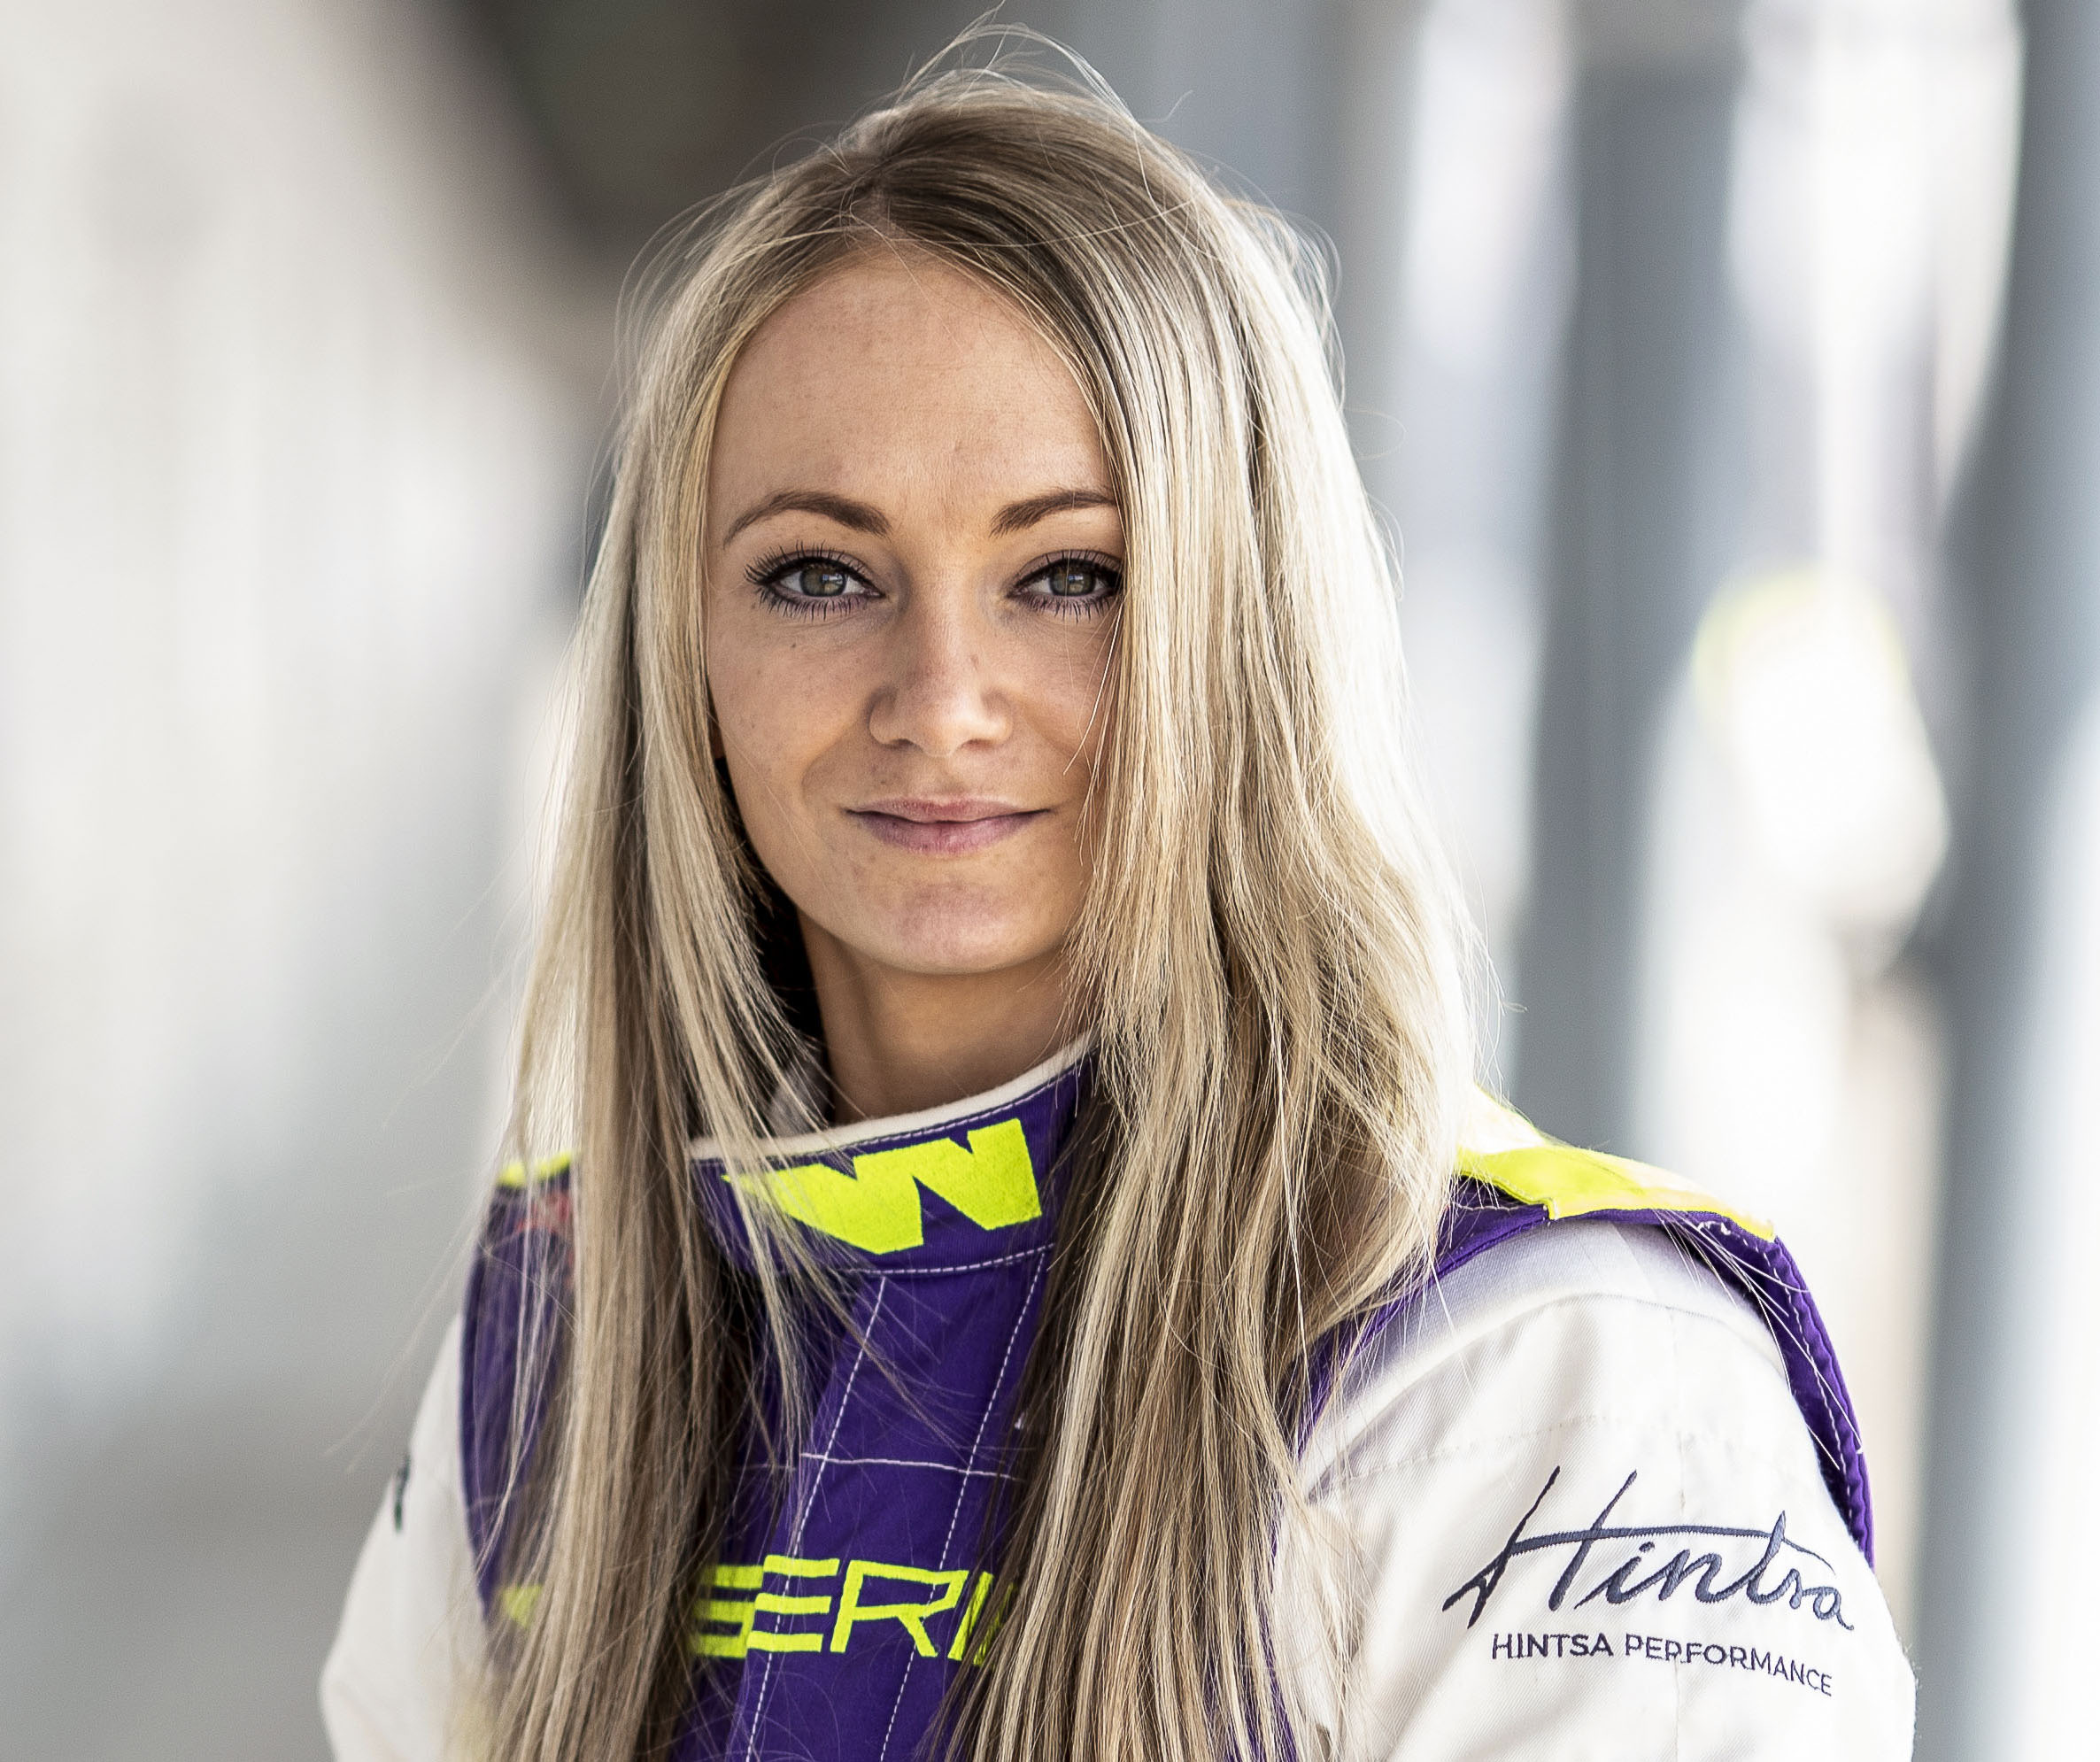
(2024, 555)
(1637, 544)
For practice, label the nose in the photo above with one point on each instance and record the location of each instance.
(940, 695)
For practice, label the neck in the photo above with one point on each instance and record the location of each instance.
(898, 1042)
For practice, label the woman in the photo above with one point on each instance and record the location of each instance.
(1077, 1329)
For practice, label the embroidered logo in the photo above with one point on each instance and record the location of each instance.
(875, 1208)
(1621, 1562)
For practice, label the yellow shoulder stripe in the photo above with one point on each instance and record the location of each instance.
(513, 1175)
(1506, 1151)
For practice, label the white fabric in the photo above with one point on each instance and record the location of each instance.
(405, 1665)
(1585, 1353)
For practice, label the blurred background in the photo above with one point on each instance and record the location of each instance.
(1730, 370)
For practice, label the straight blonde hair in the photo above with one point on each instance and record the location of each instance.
(1269, 946)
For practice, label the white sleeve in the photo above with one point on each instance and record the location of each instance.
(408, 1653)
(1566, 1509)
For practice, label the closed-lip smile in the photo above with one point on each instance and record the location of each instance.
(943, 825)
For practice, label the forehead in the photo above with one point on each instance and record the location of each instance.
(900, 377)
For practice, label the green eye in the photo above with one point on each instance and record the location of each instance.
(1077, 580)
(816, 581)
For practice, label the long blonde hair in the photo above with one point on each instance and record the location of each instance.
(1269, 944)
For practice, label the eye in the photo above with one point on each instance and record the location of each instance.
(1074, 584)
(808, 581)
(813, 580)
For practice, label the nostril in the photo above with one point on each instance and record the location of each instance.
(940, 709)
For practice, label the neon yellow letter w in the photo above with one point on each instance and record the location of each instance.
(876, 1208)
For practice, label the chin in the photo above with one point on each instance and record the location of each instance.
(956, 939)
(954, 956)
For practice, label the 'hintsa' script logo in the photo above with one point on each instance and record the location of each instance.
(1623, 1555)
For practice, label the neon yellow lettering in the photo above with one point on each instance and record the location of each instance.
(774, 1602)
(877, 1212)
(734, 1612)
(967, 1626)
(877, 1209)
(791, 1567)
(993, 1183)
(912, 1616)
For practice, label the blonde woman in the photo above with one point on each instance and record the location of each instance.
(1034, 1278)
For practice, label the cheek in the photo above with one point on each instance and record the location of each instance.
(769, 731)
(1077, 697)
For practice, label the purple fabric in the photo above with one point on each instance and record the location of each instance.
(520, 1278)
(890, 1511)
(847, 1602)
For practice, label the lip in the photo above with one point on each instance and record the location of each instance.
(950, 826)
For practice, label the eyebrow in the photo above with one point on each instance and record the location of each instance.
(844, 509)
(1018, 516)
(860, 517)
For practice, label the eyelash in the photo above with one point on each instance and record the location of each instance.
(768, 572)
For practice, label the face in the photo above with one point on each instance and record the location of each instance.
(914, 568)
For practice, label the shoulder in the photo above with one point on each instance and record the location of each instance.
(1513, 1181)
(1565, 1324)
(1566, 1503)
